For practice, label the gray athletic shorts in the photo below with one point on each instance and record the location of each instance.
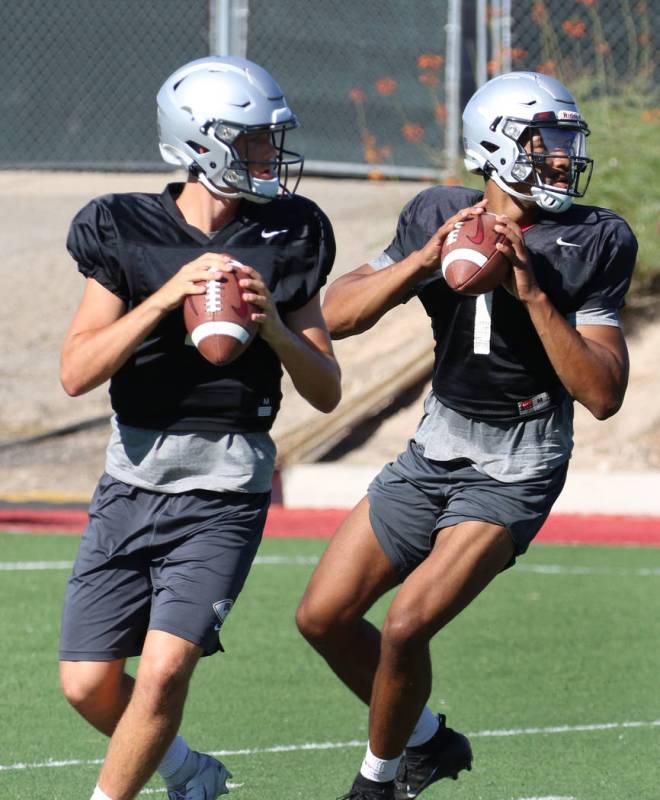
(148, 560)
(413, 498)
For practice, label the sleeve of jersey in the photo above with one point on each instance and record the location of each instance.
(318, 262)
(396, 250)
(406, 239)
(608, 288)
(92, 243)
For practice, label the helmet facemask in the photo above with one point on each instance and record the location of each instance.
(234, 175)
(551, 161)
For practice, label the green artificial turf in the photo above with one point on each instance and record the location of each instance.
(553, 672)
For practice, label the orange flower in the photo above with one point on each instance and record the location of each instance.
(385, 151)
(370, 155)
(375, 175)
(539, 13)
(368, 139)
(517, 53)
(429, 79)
(651, 115)
(548, 67)
(644, 39)
(413, 132)
(493, 66)
(602, 48)
(386, 86)
(574, 27)
(428, 61)
(357, 95)
(586, 2)
(440, 113)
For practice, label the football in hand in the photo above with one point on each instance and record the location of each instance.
(220, 321)
(470, 262)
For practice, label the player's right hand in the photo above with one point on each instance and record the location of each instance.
(432, 250)
(191, 279)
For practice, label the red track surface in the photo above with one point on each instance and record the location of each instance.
(313, 523)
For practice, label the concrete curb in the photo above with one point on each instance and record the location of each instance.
(341, 486)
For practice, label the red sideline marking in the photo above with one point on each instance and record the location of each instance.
(601, 529)
(43, 520)
(321, 523)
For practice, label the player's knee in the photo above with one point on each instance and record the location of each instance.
(403, 629)
(85, 685)
(317, 622)
(160, 680)
(312, 624)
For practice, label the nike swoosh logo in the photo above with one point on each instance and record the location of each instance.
(479, 233)
(270, 234)
(560, 241)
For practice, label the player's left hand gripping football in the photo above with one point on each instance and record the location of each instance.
(257, 293)
(521, 283)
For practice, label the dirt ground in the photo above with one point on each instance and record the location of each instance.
(40, 288)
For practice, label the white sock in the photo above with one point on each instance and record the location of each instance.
(379, 769)
(426, 726)
(174, 758)
(99, 794)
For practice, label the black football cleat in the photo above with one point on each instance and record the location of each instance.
(443, 756)
(364, 789)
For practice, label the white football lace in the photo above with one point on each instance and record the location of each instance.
(213, 297)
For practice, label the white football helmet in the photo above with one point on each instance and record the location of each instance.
(528, 108)
(206, 105)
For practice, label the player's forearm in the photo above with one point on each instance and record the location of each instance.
(315, 374)
(91, 357)
(355, 302)
(591, 373)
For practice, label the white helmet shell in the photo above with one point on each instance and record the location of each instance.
(495, 122)
(206, 105)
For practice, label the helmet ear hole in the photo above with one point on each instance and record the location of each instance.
(197, 147)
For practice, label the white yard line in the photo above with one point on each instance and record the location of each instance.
(540, 569)
(18, 566)
(560, 569)
(294, 748)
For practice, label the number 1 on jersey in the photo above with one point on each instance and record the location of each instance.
(482, 323)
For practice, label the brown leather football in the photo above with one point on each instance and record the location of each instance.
(220, 321)
(470, 263)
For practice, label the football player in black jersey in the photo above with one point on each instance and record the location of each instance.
(177, 517)
(490, 455)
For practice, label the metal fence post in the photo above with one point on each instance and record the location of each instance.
(505, 24)
(453, 82)
(228, 27)
(482, 43)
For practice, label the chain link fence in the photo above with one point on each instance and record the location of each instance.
(79, 80)
(377, 84)
(598, 47)
(367, 79)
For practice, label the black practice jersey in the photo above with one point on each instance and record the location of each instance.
(133, 243)
(489, 361)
